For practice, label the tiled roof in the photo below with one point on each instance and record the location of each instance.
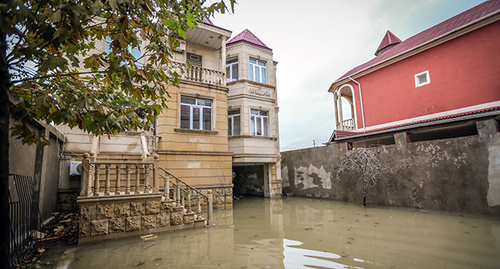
(440, 30)
(388, 40)
(247, 37)
(341, 134)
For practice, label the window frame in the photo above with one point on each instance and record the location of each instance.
(230, 64)
(231, 118)
(257, 71)
(259, 119)
(417, 79)
(201, 116)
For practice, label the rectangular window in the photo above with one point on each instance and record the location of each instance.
(196, 113)
(232, 70)
(233, 122)
(422, 79)
(258, 123)
(257, 71)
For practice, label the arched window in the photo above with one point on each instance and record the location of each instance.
(345, 108)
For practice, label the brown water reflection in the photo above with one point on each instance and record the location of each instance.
(306, 233)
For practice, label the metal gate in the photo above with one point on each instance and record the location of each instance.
(24, 219)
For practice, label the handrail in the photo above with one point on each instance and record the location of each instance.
(194, 189)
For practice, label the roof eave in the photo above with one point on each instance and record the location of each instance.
(415, 49)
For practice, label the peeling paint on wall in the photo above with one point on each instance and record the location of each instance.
(284, 177)
(493, 195)
(312, 177)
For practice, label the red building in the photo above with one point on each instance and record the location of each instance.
(446, 77)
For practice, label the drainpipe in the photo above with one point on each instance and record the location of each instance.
(361, 101)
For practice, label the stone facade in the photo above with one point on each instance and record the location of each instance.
(114, 217)
(253, 100)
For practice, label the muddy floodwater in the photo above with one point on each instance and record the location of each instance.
(304, 233)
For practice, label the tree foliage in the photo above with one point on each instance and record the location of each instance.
(59, 76)
(365, 162)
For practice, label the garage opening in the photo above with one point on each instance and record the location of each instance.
(249, 180)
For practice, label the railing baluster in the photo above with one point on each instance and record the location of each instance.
(106, 187)
(166, 191)
(178, 201)
(136, 191)
(146, 178)
(96, 179)
(188, 201)
(198, 204)
(127, 180)
(117, 183)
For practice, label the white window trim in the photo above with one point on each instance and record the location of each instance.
(262, 79)
(200, 115)
(420, 74)
(231, 118)
(265, 131)
(229, 77)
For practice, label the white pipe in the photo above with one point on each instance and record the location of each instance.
(361, 101)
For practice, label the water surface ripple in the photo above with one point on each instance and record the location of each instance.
(305, 233)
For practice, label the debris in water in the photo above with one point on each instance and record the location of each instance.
(308, 228)
(139, 263)
(149, 237)
(333, 220)
(157, 260)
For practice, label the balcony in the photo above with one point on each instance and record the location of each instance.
(200, 74)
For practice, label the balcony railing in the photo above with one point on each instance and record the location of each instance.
(348, 125)
(200, 74)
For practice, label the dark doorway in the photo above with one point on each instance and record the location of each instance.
(248, 180)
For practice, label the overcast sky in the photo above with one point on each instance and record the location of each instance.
(317, 41)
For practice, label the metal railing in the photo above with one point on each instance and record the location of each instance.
(24, 219)
(182, 193)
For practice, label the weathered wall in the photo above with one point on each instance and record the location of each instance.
(40, 163)
(459, 174)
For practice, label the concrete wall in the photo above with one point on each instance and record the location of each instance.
(41, 163)
(460, 174)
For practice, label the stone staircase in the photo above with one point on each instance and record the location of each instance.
(121, 195)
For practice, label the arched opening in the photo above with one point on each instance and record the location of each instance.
(345, 108)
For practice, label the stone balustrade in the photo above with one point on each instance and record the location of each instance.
(348, 125)
(199, 74)
(122, 198)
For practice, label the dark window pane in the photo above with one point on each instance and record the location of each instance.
(185, 111)
(207, 119)
(196, 118)
(236, 125)
(188, 100)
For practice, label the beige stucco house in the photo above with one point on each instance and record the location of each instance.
(199, 139)
(253, 116)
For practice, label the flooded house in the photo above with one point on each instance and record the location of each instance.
(220, 128)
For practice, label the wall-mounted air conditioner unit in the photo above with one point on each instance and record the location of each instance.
(182, 46)
(75, 168)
